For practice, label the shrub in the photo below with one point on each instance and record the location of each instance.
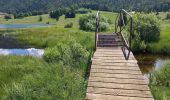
(52, 55)
(69, 25)
(147, 26)
(71, 54)
(88, 23)
(70, 14)
(79, 54)
(138, 45)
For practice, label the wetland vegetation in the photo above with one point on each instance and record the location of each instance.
(60, 73)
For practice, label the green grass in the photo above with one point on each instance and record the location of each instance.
(29, 20)
(160, 83)
(28, 78)
(60, 23)
(51, 36)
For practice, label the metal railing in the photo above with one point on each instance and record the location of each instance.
(124, 28)
(97, 28)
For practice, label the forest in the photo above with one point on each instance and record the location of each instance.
(36, 7)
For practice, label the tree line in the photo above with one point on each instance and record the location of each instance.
(22, 8)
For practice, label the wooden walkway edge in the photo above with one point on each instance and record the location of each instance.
(114, 78)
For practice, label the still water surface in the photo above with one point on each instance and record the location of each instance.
(150, 63)
(31, 52)
(15, 26)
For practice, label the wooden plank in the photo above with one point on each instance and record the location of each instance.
(114, 61)
(103, 55)
(120, 92)
(117, 80)
(108, 48)
(115, 68)
(110, 52)
(111, 71)
(114, 64)
(119, 86)
(113, 58)
(90, 96)
(121, 76)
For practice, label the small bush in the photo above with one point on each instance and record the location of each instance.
(147, 26)
(138, 45)
(69, 25)
(88, 23)
(72, 54)
(52, 55)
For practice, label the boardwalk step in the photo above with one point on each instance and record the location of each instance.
(119, 86)
(93, 96)
(117, 80)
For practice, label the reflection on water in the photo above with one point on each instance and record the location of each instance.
(9, 41)
(31, 52)
(13, 26)
(150, 63)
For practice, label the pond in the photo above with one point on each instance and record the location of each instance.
(14, 26)
(9, 45)
(150, 63)
(31, 52)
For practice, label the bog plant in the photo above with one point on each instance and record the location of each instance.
(88, 23)
(72, 54)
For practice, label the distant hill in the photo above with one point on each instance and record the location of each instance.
(15, 6)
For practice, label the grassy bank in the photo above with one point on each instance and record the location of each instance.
(24, 78)
(60, 23)
(160, 83)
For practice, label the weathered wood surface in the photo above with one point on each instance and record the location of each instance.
(114, 78)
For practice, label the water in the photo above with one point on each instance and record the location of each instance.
(151, 63)
(14, 26)
(30, 52)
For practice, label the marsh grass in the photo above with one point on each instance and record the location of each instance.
(24, 77)
(160, 83)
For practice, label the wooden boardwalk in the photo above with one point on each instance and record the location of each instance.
(114, 78)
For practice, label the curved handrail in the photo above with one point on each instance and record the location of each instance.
(126, 39)
(97, 28)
